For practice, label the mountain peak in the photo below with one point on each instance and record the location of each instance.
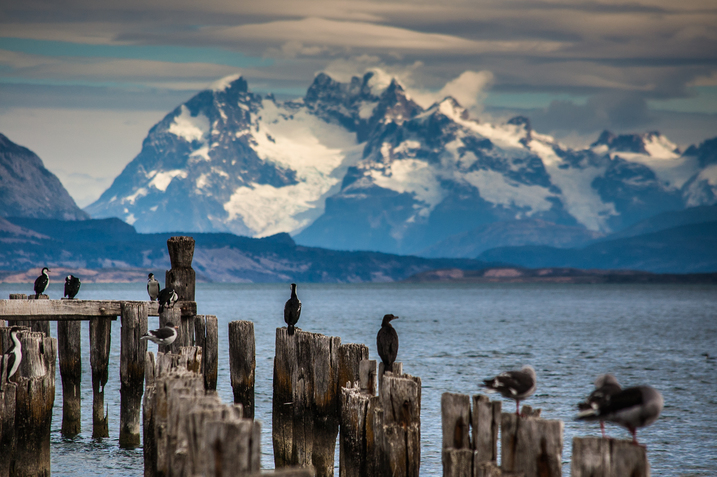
(236, 81)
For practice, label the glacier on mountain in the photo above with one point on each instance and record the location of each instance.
(360, 165)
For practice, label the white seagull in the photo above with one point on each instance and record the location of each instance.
(162, 336)
(605, 386)
(516, 385)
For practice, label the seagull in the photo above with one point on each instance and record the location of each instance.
(605, 386)
(292, 310)
(387, 342)
(152, 287)
(72, 286)
(167, 297)
(630, 408)
(41, 283)
(162, 336)
(517, 385)
(14, 353)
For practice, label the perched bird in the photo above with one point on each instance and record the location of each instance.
(387, 342)
(167, 297)
(605, 386)
(152, 287)
(13, 356)
(630, 408)
(72, 286)
(41, 282)
(162, 336)
(516, 385)
(292, 310)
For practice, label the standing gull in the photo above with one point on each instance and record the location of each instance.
(162, 336)
(605, 386)
(387, 342)
(516, 385)
(167, 298)
(41, 282)
(13, 356)
(292, 310)
(152, 287)
(72, 286)
(630, 408)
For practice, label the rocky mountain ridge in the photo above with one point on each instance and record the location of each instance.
(361, 166)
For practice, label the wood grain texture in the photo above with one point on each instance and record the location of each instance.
(598, 457)
(132, 355)
(56, 310)
(532, 446)
(70, 358)
(242, 364)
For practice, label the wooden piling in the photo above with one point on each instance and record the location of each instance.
(485, 422)
(396, 369)
(352, 439)
(185, 332)
(350, 357)
(598, 457)
(242, 364)
(38, 326)
(8, 393)
(206, 335)
(100, 339)
(149, 443)
(181, 277)
(70, 357)
(305, 400)
(367, 376)
(35, 396)
(132, 355)
(457, 454)
(532, 446)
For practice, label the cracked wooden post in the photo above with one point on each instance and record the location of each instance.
(396, 369)
(182, 278)
(174, 316)
(397, 426)
(457, 454)
(598, 457)
(350, 357)
(367, 376)
(353, 458)
(70, 357)
(132, 355)
(305, 400)
(35, 397)
(100, 338)
(242, 364)
(531, 445)
(149, 443)
(485, 422)
(233, 447)
(8, 393)
(206, 336)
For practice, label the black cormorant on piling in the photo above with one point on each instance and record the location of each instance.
(292, 310)
(516, 385)
(72, 286)
(152, 287)
(162, 336)
(630, 408)
(41, 282)
(13, 355)
(605, 386)
(387, 342)
(167, 298)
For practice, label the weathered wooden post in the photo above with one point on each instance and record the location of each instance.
(396, 369)
(133, 350)
(485, 422)
(597, 457)
(397, 427)
(305, 400)
(233, 447)
(70, 357)
(34, 325)
(206, 334)
(8, 393)
(174, 316)
(242, 364)
(182, 278)
(35, 397)
(353, 458)
(100, 337)
(350, 357)
(531, 445)
(367, 376)
(456, 418)
(149, 443)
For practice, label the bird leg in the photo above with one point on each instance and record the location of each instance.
(634, 438)
(517, 407)
(602, 428)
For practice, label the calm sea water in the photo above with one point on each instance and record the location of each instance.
(452, 336)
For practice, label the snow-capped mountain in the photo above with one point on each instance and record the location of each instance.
(360, 165)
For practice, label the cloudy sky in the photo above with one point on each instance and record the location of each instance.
(82, 81)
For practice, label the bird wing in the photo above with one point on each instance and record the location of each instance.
(162, 333)
(512, 383)
(621, 401)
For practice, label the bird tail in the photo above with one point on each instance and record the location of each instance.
(144, 337)
(588, 415)
(291, 330)
(161, 307)
(37, 296)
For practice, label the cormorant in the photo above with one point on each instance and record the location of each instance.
(630, 408)
(14, 353)
(292, 310)
(41, 282)
(72, 286)
(387, 342)
(516, 385)
(152, 287)
(605, 386)
(167, 297)
(162, 336)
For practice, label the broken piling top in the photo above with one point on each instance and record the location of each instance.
(181, 277)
